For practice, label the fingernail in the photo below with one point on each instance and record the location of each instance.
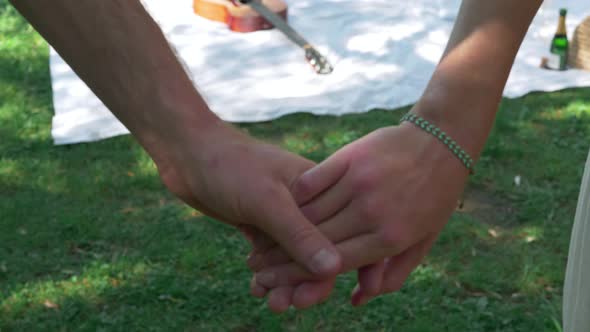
(355, 290)
(265, 278)
(324, 261)
(356, 295)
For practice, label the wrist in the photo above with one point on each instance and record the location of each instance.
(430, 154)
(443, 137)
(467, 118)
(172, 124)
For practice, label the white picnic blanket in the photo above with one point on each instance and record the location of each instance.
(383, 51)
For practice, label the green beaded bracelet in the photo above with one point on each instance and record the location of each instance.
(443, 137)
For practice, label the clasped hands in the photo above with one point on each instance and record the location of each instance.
(377, 205)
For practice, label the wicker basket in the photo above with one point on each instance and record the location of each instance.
(579, 52)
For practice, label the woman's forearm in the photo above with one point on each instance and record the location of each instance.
(122, 55)
(466, 88)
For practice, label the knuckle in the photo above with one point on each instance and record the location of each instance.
(303, 188)
(269, 188)
(366, 179)
(311, 213)
(392, 238)
(301, 235)
(371, 209)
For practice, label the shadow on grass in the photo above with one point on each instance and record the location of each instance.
(115, 293)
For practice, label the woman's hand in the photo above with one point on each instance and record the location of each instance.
(387, 195)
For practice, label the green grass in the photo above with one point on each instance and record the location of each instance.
(90, 240)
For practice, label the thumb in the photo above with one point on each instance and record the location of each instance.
(285, 223)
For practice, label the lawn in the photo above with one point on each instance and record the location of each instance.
(90, 240)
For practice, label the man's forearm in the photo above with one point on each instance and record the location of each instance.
(466, 88)
(123, 56)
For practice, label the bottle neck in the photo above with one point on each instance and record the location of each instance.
(561, 26)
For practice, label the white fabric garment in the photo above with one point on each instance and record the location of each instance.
(576, 289)
(383, 51)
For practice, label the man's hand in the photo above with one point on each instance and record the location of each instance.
(388, 194)
(243, 182)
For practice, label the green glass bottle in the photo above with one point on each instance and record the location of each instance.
(559, 44)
